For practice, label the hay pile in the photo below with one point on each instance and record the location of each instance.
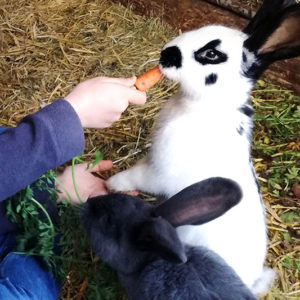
(47, 47)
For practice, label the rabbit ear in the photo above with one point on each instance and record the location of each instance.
(269, 10)
(159, 237)
(273, 34)
(200, 202)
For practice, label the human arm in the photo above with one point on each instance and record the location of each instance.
(54, 135)
(41, 141)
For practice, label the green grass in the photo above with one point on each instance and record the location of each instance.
(276, 136)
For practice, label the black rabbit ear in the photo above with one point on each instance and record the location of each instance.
(200, 202)
(273, 34)
(269, 10)
(159, 237)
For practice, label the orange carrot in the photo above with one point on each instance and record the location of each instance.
(148, 79)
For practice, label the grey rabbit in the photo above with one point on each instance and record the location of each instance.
(140, 242)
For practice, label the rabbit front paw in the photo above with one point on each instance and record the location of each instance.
(120, 183)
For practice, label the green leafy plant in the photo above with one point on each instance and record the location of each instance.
(76, 160)
(97, 157)
(290, 217)
(290, 263)
(36, 234)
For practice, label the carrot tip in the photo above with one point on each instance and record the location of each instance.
(148, 79)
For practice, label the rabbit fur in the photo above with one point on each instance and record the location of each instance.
(141, 243)
(206, 130)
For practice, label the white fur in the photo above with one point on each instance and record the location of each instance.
(197, 137)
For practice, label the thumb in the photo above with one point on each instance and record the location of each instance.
(103, 165)
(136, 97)
(128, 81)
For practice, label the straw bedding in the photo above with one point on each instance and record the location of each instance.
(47, 47)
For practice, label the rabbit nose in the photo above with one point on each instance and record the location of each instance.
(171, 57)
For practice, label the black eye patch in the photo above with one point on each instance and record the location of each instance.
(209, 54)
(247, 110)
(211, 79)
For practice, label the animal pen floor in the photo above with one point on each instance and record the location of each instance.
(47, 46)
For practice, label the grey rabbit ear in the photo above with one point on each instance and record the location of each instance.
(159, 237)
(200, 202)
(273, 34)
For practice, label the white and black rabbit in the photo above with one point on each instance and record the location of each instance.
(206, 130)
(140, 242)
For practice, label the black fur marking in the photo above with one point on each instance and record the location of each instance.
(240, 130)
(211, 79)
(209, 54)
(171, 57)
(246, 110)
(255, 71)
(211, 45)
(268, 13)
(244, 57)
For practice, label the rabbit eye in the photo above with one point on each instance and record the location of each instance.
(208, 54)
(211, 54)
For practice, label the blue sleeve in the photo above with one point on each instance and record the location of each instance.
(42, 141)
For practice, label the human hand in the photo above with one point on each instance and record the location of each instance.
(100, 101)
(88, 185)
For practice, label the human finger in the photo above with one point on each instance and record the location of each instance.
(136, 97)
(100, 188)
(122, 81)
(103, 165)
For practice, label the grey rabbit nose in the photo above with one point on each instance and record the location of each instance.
(171, 57)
